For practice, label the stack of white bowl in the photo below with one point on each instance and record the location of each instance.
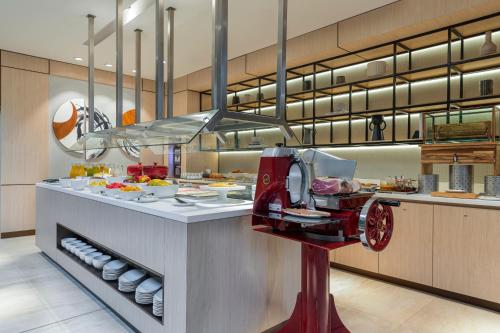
(129, 281)
(145, 291)
(113, 269)
(158, 303)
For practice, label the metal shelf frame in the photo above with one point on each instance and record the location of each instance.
(401, 75)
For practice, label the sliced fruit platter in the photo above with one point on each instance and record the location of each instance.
(130, 192)
(97, 186)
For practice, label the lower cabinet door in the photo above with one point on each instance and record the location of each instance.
(466, 249)
(408, 255)
(357, 256)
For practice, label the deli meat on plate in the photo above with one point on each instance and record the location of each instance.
(329, 186)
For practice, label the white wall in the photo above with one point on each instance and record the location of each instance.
(62, 90)
(373, 163)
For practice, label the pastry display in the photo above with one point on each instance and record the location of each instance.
(222, 184)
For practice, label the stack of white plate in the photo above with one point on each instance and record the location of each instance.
(113, 269)
(67, 240)
(89, 256)
(72, 244)
(83, 253)
(146, 290)
(129, 281)
(100, 261)
(79, 249)
(158, 303)
(81, 245)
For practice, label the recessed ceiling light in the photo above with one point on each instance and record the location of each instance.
(133, 71)
(164, 61)
(108, 65)
(78, 58)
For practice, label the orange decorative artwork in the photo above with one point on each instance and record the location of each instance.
(128, 117)
(63, 129)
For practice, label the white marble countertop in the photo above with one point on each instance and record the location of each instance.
(163, 208)
(427, 198)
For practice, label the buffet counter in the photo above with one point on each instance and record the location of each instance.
(185, 249)
(427, 198)
(162, 208)
(440, 245)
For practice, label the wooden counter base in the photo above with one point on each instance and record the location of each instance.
(445, 249)
(421, 287)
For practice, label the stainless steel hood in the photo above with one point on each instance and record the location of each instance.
(183, 129)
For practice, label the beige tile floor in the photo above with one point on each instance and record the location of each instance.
(36, 296)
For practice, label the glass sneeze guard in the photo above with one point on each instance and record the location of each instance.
(177, 130)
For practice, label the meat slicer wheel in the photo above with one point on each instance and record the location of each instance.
(375, 225)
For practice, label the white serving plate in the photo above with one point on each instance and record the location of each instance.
(223, 191)
(163, 191)
(65, 182)
(128, 196)
(97, 189)
(79, 184)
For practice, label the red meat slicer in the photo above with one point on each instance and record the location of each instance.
(284, 181)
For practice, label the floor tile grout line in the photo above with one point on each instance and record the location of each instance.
(62, 320)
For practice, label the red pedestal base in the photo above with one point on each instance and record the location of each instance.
(315, 310)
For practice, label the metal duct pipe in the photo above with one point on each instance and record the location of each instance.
(281, 60)
(119, 63)
(170, 63)
(160, 98)
(219, 54)
(91, 71)
(138, 80)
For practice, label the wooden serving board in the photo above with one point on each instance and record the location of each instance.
(455, 195)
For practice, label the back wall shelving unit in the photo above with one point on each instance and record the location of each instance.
(331, 102)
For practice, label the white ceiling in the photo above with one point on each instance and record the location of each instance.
(56, 29)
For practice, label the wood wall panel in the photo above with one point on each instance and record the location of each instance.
(78, 72)
(409, 253)
(186, 102)
(315, 45)
(466, 251)
(22, 61)
(24, 129)
(408, 17)
(17, 208)
(148, 85)
(148, 106)
(236, 71)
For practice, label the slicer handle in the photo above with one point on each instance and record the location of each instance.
(393, 203)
